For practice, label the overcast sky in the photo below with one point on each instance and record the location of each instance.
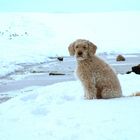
(68, 6)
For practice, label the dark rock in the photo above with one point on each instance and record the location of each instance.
(120, 58)
(136, 69)
(55, 73)
(60, 58)
(128, 72)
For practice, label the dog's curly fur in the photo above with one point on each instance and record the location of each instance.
(98, 78)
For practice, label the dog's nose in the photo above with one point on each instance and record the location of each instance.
(80, 53)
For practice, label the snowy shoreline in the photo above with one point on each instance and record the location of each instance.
(38, 75)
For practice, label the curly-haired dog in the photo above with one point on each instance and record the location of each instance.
(97, 77)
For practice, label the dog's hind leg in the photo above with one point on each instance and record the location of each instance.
(109, 93)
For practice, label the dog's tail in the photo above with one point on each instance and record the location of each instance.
(136, 94)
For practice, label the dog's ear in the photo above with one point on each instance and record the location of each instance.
(71, 49)
(92, 48)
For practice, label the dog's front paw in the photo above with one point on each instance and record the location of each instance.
(90, 97)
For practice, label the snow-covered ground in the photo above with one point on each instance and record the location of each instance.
(59, 112)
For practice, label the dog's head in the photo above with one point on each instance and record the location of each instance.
(82, 49)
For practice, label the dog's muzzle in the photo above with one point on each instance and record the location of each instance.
(79, 54)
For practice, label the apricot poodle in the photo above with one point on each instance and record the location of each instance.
(97, 77)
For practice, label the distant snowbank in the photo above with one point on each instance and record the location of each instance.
(52, 33)
(32, 37)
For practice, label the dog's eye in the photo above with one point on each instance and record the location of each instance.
(76, 47)
(84, 47)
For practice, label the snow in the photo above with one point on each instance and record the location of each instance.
(59, 112)
(32, 37)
